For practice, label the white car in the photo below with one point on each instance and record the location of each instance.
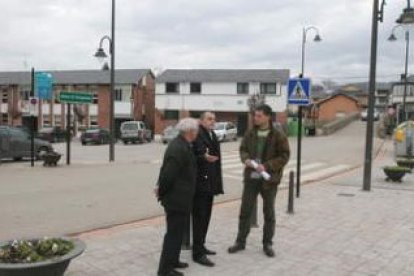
(225, 131)
(364, 115)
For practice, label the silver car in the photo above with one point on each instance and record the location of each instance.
(169, 134)
(225, 131)
(15, 144)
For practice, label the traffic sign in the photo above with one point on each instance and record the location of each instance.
(33, 107)
(299, 91)
(43, 85)
(75, 97)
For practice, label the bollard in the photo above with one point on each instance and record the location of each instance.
(291, 199)
(186, 244)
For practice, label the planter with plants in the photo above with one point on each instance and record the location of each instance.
(395, 173)
(406, 162)
(38, 257)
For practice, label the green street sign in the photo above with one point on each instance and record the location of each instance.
(75, 97)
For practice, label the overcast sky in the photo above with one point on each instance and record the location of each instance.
(63, 34)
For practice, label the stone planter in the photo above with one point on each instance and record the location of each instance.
(53, 267)
(395, 174)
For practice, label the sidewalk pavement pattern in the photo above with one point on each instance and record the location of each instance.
(337, 229)
(311, 171)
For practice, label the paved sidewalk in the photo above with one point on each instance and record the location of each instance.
(336, 230)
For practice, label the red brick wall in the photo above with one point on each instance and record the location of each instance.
(144, 101)
(329, 109)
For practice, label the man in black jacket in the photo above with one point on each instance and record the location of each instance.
(176, 188)
(209, 184)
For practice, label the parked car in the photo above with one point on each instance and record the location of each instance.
(15, 143)
(364, 115)
(225, 131)
(169, 134)
(98, 136)
(52, 134)
(135, 132)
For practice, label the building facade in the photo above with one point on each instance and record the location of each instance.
(134, 98)
(182, 93)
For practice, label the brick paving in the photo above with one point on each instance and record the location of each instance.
(337, 229)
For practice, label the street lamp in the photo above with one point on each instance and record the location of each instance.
(101, 56)
(317, 38)
(392, 38)
(407, 17)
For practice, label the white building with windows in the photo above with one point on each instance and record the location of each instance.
(181, 93)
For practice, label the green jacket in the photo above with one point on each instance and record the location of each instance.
(276, 154)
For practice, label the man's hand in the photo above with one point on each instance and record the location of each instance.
(211, 158)
(248, 163)
(260, 169)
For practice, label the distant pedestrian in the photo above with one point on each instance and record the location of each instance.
(176, 188)
(209, 184)
(265, 152)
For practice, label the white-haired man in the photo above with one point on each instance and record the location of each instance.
(176, 189)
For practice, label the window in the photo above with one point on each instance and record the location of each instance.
(195, 87)
(94, 121)
(5, 118)
(243, 88)
(172, 87)
(118, 95)
(25, 95)
(95, 98)
(268, 88)
(5, 96)
(58, 121)
(171, 115)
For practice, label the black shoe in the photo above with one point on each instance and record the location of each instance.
(268, 250)
(236, 248)
(171, 273)
(181, 265)
(203, 260)
(209, 252)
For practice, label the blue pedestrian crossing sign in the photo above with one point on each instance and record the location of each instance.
(299, 91)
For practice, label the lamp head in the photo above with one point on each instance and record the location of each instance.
(317, 38)
(392, 37)
(101, 55)
(407, 17)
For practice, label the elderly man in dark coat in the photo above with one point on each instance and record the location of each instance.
(209, 184)
(176, 189)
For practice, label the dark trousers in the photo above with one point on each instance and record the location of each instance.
(173, 239)
(252, 188)
(202, 207)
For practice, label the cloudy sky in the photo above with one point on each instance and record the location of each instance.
(63, 34)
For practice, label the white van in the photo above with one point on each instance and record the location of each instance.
(135, 132)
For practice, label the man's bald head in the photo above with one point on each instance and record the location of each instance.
(208, 120)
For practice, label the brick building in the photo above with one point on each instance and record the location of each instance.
(134, 98)
(335, 106)
(181, 93)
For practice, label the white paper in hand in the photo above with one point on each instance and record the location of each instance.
(266, 176)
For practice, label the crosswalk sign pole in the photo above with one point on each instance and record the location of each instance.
(299, 157)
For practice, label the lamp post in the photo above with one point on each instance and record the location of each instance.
(407, 17)
(317, 38)
(407, 56)
(101, 56)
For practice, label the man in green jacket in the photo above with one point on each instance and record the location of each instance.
(265, 152)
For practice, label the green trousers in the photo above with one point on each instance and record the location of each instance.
(252, 188)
